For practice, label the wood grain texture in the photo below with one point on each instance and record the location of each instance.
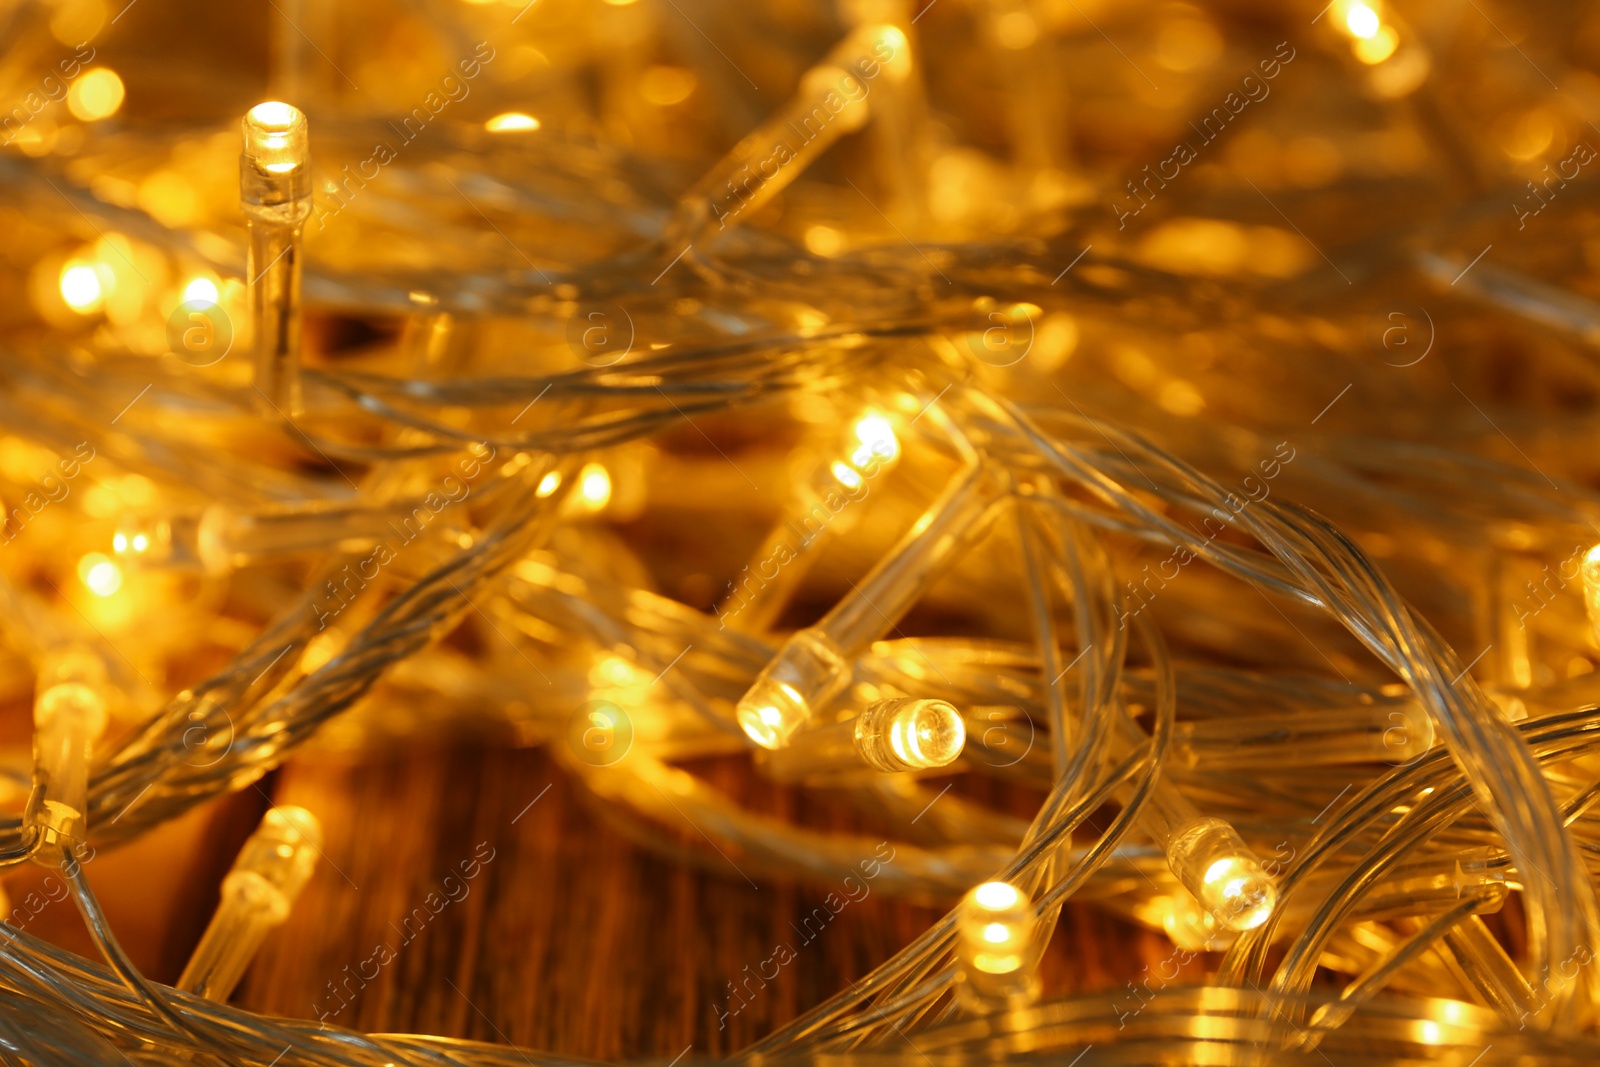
(549, 929)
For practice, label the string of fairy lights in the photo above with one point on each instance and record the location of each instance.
(875, 450)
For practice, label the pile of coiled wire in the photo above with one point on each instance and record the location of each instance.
(1124, 573)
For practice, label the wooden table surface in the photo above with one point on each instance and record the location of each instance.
(549, 929)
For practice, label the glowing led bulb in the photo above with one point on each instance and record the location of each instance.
(594, 487)
(998, 967)
(1376, 35)
(82, 287)
(97, 94)
(816, 515)
(1378, 47)
(267, 876)
(1361, 20)
(69, 714)
(776, 705)
(1222, 873)
(813, 666)
(276, 139)
(890, 42)
(892, 736)
(141, 539)
(910, 734)
(511, 122)
(99, 574)
(275, 195)
(875, 443)
(200, 291)
(1591, 591)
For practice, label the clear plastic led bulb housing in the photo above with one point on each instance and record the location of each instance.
(276, 138)
(777, 704)
(268, 874)
(998, 967)
(1217, 867)
(69, 714)
(910, 734)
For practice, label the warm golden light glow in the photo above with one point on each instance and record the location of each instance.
(511, 122)
(594, 486)
(877, 437)
(995, 927)
(996, 896)
(1190, 926)
(81, 287)
(893, 47)
(322, 648)
(138, 537)
(824, 240)
(769, 716)
(99, 574)
(1219, 870)
(275, 138)
(122, 543)
(1590, 570)
(614, 672)
(1016, 30)
(665, 86)
(96, 95)
(883, 449)
(1361, 20)
(910, 734)
(200, 291)
(1377, 47)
